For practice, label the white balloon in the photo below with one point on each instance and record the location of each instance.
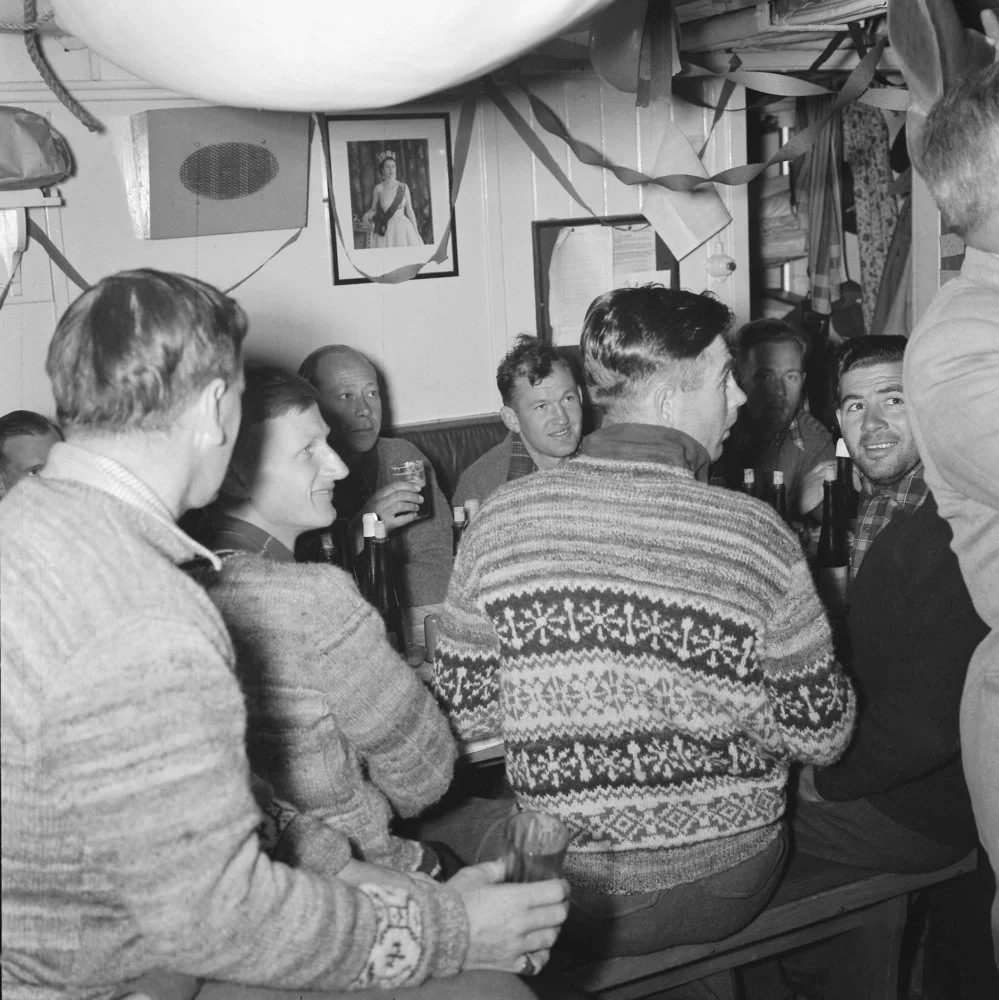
(315, 55)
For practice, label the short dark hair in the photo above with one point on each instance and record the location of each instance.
(862, 352)
(133, 350)
(270, 392)
(531, 358)
(633, 334)
(18, 423)
(961, 150)
(769, 331)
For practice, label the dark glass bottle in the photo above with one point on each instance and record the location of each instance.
(458, 524)
(779, 496)
(833, 559)
(365, 561)
(748, 482)
(849, 498)
(384, 596)
(334, 547)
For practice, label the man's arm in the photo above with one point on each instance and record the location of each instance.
(426, 547)
(466, 673)
(163, 795)
(951, 372)
(380, 705)
(814, 703)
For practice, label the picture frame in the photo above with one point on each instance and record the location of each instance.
(639, 256)
(389, 184)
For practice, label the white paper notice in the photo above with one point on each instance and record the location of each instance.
(582, 267)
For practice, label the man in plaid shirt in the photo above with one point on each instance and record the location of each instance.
(897, 800)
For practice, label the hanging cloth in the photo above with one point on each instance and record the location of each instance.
(817, 188)
(866, 148)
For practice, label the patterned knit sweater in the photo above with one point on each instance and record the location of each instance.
(338, 724)
(130, 834)
(654, 653)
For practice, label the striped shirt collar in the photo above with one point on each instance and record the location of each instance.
(69, 461)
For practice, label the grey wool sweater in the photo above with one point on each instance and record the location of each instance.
(339, 725)
(129, 830)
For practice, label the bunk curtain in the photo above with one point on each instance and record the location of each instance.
(866, 149)
(818, 190)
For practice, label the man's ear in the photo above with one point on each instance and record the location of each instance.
(839, 420)
(509, 417)
(208, 412)
(665, 402)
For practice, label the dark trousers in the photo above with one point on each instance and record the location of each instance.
(855, 833)
(604, 926)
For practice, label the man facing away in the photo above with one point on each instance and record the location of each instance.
(897, 800)
(774, 432)
(351, 404)
(651, 647)
(130, 835)
(26, 438)
(951, 375)
(338, 724)
(543, 411)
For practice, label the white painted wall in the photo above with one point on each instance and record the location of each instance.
(438, 341)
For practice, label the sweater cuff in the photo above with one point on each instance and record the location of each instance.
(307, 843)
(448, 915)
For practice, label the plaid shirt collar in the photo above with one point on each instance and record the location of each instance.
(521, 463)
(878, 507)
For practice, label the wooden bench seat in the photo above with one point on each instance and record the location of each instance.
(817, 900)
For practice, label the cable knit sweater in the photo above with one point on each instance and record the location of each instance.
(654, 653)
(129, 831)
(338, 724)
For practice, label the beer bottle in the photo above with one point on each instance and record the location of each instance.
(849, 498)
(748, 482)
(366, 571)
(334, 547)
(833, 560)
(458, 525)
(779, 496)
(383, 593)
(471, 510)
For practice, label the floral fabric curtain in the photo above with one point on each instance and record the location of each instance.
(866, 148)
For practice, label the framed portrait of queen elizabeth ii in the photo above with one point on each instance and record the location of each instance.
(389, 195)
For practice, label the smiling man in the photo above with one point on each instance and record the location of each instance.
(897, 801)
(543, 411)
(338, 724)
(649, 646)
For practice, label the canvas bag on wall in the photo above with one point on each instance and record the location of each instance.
(32, 153)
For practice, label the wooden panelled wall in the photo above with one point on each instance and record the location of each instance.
(437, 340)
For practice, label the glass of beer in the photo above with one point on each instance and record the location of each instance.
(535, 846)
(414, 473)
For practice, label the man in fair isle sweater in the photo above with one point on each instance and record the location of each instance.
(651, 648)
(131, 839)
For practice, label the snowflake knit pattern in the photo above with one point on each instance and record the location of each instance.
(653, 652)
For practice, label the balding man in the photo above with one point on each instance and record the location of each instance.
(351, 404)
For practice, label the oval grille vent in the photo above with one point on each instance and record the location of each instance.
(228, 170)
